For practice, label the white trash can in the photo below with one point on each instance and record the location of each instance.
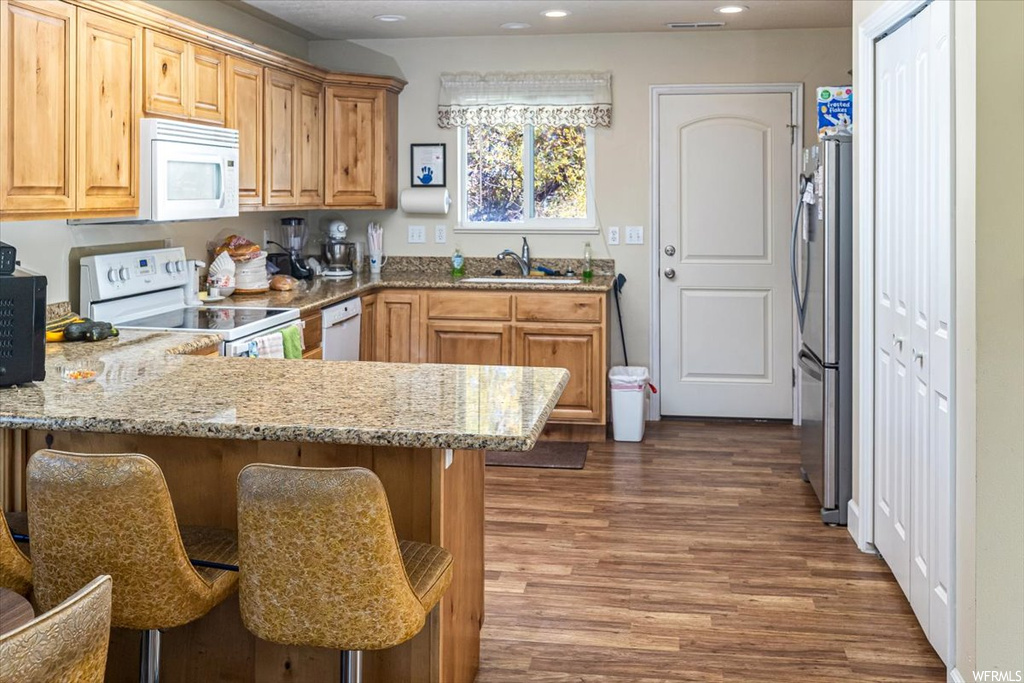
(629, 401)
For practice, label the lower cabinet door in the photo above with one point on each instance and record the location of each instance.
(469, 343)
(577, 348)
(398, 337)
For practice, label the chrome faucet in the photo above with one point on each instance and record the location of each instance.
(522, 261)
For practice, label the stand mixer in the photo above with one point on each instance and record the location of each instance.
(337, 252)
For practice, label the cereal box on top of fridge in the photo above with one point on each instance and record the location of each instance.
(835, 111)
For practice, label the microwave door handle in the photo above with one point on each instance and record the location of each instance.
(223, 183)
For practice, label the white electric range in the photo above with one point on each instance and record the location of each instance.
(152, 290)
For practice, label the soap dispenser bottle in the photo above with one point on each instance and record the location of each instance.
(458, 263)
(588, 262)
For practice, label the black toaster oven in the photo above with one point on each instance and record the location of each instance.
(22, 329)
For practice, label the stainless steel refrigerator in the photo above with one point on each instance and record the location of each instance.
(823, 287)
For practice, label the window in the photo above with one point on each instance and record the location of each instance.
(527, 176)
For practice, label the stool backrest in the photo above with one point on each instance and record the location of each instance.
(110, 514)
(15, 568)
(319, 561)
(68, 643)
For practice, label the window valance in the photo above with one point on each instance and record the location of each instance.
(542, 98)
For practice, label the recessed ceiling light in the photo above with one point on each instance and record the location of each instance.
(390, 18)
(731, 9)
(515, 25)
(556, 13)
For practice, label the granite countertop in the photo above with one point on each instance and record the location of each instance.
(312, 295)
(144, 388)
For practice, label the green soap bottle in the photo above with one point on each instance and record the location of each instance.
(588, 262)
(458, 263)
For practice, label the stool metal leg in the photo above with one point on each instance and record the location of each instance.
(149, 659)
(351, 666)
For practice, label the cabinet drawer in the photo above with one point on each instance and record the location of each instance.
(312, 332)
(468, 305)
(558, 307)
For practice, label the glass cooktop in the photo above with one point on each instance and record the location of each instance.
(230, 322)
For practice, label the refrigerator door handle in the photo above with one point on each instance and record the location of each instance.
(794, 254)
(810, 365)
(831, 422)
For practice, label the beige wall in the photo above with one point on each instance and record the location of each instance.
(999, 236)
(637, 61)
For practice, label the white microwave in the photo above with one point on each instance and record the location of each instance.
(187, 171)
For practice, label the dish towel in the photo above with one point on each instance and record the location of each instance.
(270, 346)
(291, 338)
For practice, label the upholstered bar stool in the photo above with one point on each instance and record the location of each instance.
(15, 566)
(68, 643)
(320, 564)
(112, 514)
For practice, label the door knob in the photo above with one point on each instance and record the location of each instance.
(670, 273)
(670, 250)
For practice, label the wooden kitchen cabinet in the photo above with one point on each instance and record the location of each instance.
(37, 106)
(398, 322)
(182, 80)
(361, 165)
(244, 112)
(368, 328)
(469, 343)
(310, 140)
(577, 348)
(293, 140)
(108, 111)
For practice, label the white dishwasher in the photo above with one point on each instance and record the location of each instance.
(340, 339)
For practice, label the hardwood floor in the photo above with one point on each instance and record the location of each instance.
(698, 555)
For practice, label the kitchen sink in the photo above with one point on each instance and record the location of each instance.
(520, 281)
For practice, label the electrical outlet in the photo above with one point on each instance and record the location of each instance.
(440, 233)
(634, 234)
(417, 234)
(613, 234)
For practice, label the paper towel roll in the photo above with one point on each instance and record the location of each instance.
(429, 200)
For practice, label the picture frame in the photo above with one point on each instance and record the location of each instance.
(428, 165)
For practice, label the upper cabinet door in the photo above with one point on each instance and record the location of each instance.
(37, 106)
(280, 126)
(110, 103)
(245, 114)
(310, 143)
(209, 71)
(165, 75)
(361, 166)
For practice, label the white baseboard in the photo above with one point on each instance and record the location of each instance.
(853, 521)
(955, 676)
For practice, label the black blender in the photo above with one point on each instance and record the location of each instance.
(293, 231)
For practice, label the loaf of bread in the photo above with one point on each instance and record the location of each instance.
(239, 248)
(283, 283)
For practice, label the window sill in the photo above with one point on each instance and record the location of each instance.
(526, 229)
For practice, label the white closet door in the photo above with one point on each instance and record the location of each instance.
(913, 460)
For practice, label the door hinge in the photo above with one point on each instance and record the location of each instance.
(792, 132)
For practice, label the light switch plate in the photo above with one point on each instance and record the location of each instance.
(613, 234)
(440, 234)
(417, 234)
(634, 234)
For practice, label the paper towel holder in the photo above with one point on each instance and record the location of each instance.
(431, 201)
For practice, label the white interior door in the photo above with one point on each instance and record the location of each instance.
(726, 196)
(913, 316)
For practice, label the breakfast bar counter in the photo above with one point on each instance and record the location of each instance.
(421, 428)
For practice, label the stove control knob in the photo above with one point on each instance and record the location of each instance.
(123, 274)
(179, 266)
(169, 266)
(112, 274)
